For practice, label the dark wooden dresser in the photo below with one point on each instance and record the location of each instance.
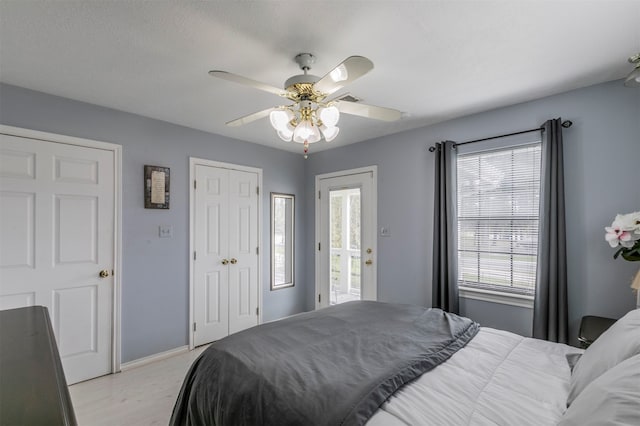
(33, 390)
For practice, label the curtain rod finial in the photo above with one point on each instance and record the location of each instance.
(567, 123)
(432, 148)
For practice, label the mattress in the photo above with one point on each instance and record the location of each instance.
(499, 378)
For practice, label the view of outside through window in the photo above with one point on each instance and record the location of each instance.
(344, 226)
(282, 240)
(498, 202)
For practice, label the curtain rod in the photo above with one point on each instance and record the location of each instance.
(566, 124)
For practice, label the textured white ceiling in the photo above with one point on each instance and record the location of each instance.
(434, 60)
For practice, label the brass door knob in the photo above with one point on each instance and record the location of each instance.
(225, 262)
(234, 261)
(104, 273)
(368, 262)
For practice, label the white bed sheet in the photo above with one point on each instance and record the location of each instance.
(499, 378)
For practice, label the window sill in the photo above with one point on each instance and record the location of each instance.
(520, 300)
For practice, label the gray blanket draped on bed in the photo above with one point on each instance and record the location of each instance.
(333, 366)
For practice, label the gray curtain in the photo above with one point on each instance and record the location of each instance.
(550, 317)
(445, 230)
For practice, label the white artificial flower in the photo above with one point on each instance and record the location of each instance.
(629, 222)
(625, 230)
(624, 222)
(635, 223)
(616, 235)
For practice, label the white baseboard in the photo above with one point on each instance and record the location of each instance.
(153, 358)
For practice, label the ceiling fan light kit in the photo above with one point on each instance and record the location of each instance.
(633, 79)
(280, 118)
(311, 118)
(329, 133)
(329, 115)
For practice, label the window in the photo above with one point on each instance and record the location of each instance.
(282, 240)
(498, 206)
(345, 245)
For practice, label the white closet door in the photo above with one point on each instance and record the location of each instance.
(211, 270)
(56, 236)
(225, 296)
(243, 244)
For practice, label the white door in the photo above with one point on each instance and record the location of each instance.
(56, 236)
(225, 284)
(243, 245)
(346, 222)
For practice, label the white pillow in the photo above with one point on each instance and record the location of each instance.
(621, 341)
(611, 399)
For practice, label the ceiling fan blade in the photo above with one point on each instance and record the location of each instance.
(250, 118)
(369, 111)
(349, 70)
(248, 82)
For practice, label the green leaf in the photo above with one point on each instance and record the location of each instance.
(631, 256)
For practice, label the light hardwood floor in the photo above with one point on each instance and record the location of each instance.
(143, 395)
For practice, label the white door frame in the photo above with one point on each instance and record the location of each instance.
(374, 221)
(193, 162)
(117, 214)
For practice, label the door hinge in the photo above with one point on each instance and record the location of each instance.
(194, 255)
(257, 250)
(194, 327)
(258, 190)
(318, 246)
(318, 195)
(319, 298)
(194, 184)
(257, 311)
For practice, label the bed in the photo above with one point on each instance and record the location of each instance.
(384, 364)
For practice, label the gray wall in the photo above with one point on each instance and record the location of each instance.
(602, 150)
(155, 271)
(601, 154)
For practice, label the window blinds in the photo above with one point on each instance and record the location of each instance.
(498, 204)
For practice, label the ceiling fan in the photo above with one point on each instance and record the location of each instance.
(311, 117)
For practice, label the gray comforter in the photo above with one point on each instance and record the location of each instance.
(333, 366)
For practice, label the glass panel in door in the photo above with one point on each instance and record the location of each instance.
(345, 237)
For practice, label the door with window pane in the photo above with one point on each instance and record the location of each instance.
(345, 264)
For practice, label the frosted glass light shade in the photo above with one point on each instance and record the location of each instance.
(633, 80)
(306, 131)
(315, 135)
(329, 133)
(285, 134)
(279, 118)
(339, 73)
(329, 115)
(303, 131)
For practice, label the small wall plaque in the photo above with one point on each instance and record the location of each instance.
(156, 187)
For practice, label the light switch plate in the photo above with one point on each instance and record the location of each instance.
(165, 231)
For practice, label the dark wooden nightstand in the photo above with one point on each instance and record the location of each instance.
(33, 389)
(591, 327)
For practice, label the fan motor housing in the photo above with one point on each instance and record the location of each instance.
(302, 85)
(301, 78)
